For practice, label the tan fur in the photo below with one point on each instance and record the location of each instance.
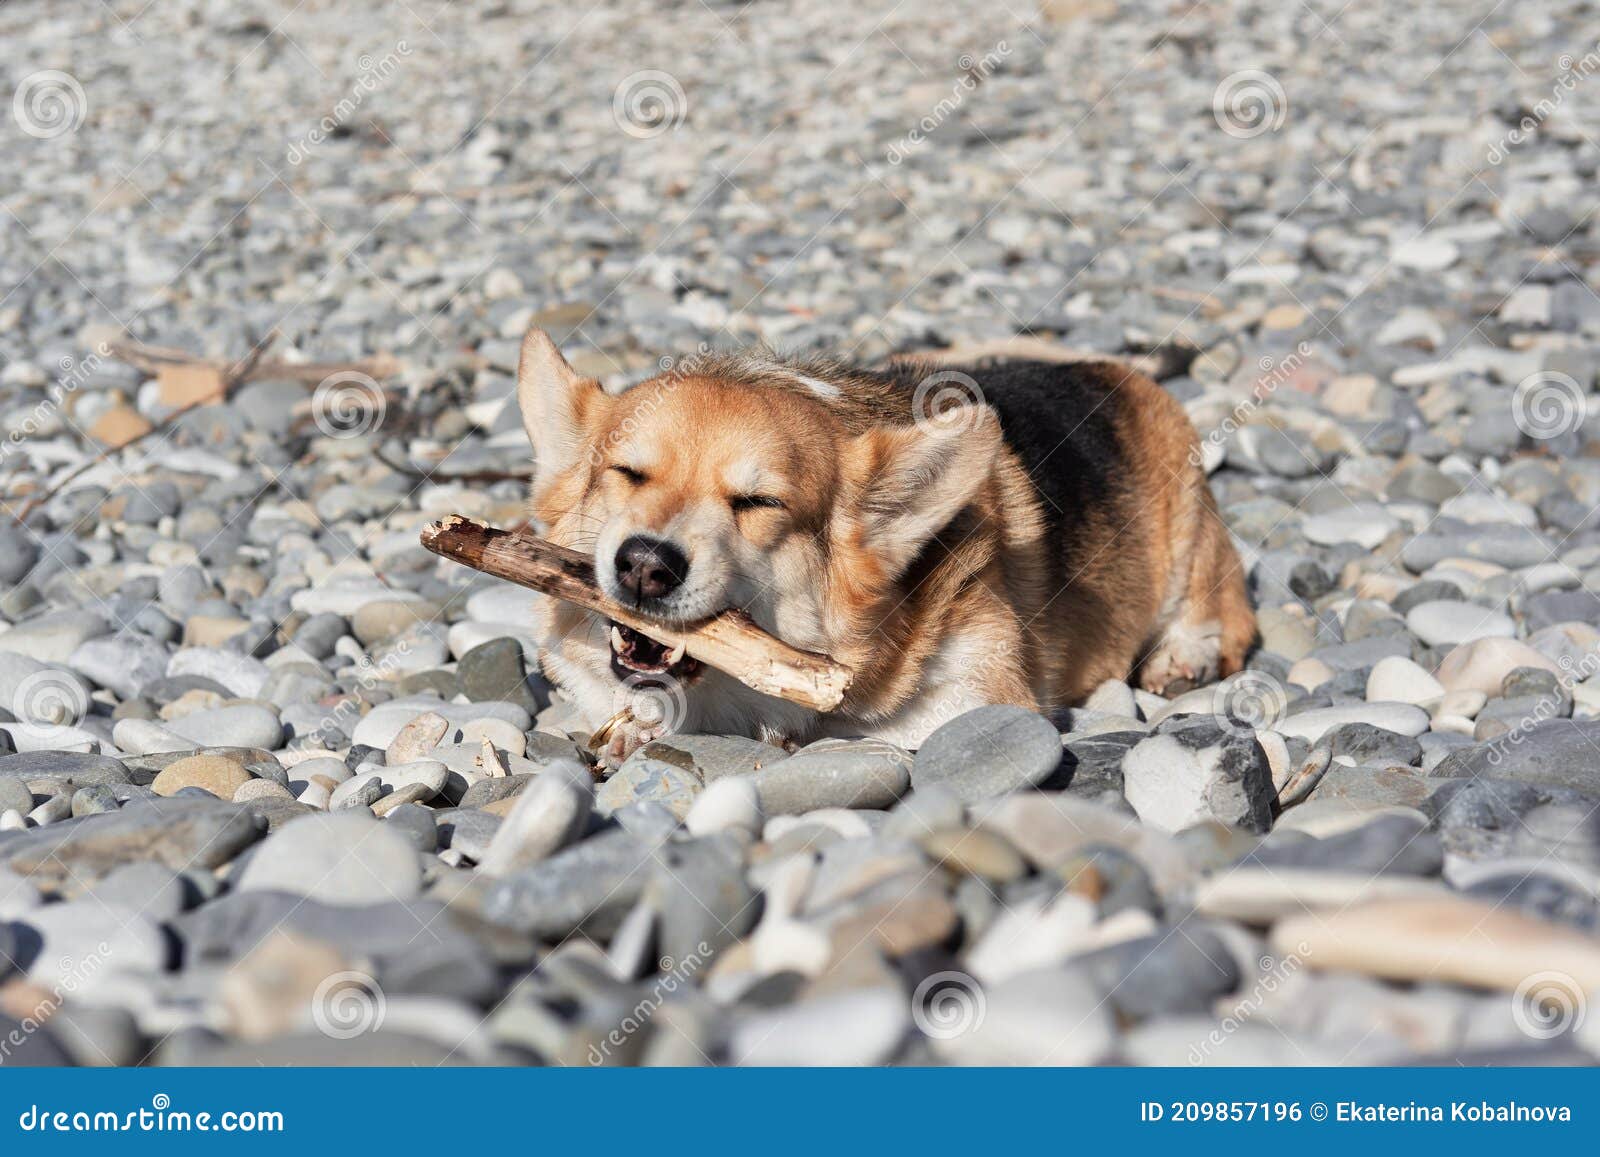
(916, 552)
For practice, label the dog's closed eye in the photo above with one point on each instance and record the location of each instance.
(634, 476)
(743, 502)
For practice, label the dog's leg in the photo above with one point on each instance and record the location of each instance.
(1213, 627)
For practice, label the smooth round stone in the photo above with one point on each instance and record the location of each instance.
(550, 814)
(383, 619)
(52, 638)
(503, 603)
(1445, 622)
(416, 825)
(1397, 679)
(220, 776)
(1366, 526)
(156, 890)
(465, 637)
(1312, 725)
(14, 795)
(1482, 665)
(260, 789)
(731, 804)
(834, 773)
(245, 725)
(239, 673)
(988, 752)
(343, 857)
(850, 1028)
(496, 670)
(975, 852)
(82, 945)
(122, 663)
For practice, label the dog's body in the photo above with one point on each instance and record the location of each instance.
(1046, 531)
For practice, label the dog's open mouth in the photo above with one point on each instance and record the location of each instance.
(633, 653)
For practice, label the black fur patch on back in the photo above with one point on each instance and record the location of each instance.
(1060, 419)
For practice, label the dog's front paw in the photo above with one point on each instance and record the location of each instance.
(1185, 659)
(624, 740)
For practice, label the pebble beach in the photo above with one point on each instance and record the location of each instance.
(279, 786)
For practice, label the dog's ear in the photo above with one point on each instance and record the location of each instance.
(912, 480)
(559, 406)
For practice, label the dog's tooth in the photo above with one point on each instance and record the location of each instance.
(617, 644)
(675, 655)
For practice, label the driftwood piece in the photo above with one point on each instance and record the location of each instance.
(730, 642)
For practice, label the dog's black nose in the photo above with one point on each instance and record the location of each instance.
(649, 568)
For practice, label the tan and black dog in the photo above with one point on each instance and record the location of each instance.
(1013, 533)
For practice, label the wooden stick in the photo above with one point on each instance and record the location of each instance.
(730, 642)
(152, 359)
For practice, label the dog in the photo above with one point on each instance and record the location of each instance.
(1003, 533)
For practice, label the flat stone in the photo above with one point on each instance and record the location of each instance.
(71, 767)
(862, 1027)
(590, 885)
(180, 833)
(649, 779)
(1389, 845)
(339, 858)
(834, 773)
(1255, 895)
(1312, 725)
(1446, 622)
(987, 752)
(242, 726)
(1458, 940)
(1556, 752)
